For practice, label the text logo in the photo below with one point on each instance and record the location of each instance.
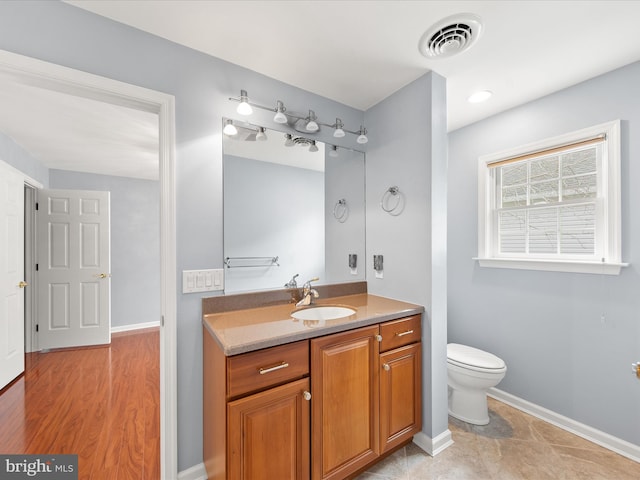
(25, 467)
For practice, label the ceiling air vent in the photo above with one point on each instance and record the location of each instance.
(450, 36)
(303, 142)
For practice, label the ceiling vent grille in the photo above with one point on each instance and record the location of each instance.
(450, 36)
(303, 142)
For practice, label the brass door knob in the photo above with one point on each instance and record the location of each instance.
(23, 284)
(104, 275)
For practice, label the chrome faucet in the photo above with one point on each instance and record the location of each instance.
(292, 283)
(308, 293)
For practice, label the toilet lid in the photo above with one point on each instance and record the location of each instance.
(473, 357)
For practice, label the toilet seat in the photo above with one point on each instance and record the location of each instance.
(471, 358)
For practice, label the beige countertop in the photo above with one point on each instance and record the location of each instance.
(242, 331)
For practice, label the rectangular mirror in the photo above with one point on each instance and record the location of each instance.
(290, 210)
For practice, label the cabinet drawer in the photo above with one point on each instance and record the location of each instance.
(400, 332)
(258, 370)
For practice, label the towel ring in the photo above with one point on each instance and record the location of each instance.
(395, 208)
(341, 210)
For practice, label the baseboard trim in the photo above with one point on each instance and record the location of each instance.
(134, 326)
(433, 446)
(197, 472)
(598, 437)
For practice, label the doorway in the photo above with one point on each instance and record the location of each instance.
(84, 85)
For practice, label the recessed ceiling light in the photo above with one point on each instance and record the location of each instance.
(480, 96)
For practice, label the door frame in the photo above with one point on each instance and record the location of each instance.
(111, 91)
(30, 310)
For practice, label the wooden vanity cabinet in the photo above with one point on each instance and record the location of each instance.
(345, 410)
(269, 434)
(324, 408)
(367, 395)
(256, 413)
(400, 381)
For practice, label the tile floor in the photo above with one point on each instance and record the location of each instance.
(514, 446)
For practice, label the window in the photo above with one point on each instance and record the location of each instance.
(553, 205)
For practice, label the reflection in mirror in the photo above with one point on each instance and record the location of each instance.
(291, 207)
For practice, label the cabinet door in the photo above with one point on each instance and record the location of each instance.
(400, 395)
(345, 425)
(269, 434)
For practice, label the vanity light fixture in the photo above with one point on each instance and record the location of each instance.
(313, 147)
(288, 142)
(244, 108)
(310, 123)
(280, 117)
(362, 138)
(261, 135)
(229, 128)
(339, 132)
(333, 151)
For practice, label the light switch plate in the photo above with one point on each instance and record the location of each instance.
(194, 281)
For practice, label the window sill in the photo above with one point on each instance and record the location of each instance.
(553, 265)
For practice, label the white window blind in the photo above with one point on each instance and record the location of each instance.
(546, 203)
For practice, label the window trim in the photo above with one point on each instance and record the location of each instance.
(611, 264)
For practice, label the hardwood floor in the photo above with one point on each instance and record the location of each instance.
(101, 403)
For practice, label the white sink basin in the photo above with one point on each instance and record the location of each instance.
(322, 312)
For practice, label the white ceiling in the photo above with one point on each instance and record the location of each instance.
(355, 52)
(69, 132)
(359, 52)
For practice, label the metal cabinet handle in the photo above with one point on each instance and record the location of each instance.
(379, 338)
(306, 395)
(402, 334)
(386, 367)
(23, 284)
(264, 370)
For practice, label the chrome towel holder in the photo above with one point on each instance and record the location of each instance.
(341, 210)
(392, 201)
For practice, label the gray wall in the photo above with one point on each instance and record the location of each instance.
(16, 156)
(408, 149)
(547, 326)
(135, 242)
(65, 35)
(272, 210)
(344, 178)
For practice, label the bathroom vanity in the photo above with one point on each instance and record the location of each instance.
(297, 399)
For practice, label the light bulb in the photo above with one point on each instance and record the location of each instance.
(280, 117)
(313, 147)
(229, 128)
(288, 140)
(333, 152)
(362, 138)
(312, 125)
(244, 108)
(261, 135)
(338, 132)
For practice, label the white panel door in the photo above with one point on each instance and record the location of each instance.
(11, 274)
(74, 285)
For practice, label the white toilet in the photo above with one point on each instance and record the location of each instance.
(471, 372)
